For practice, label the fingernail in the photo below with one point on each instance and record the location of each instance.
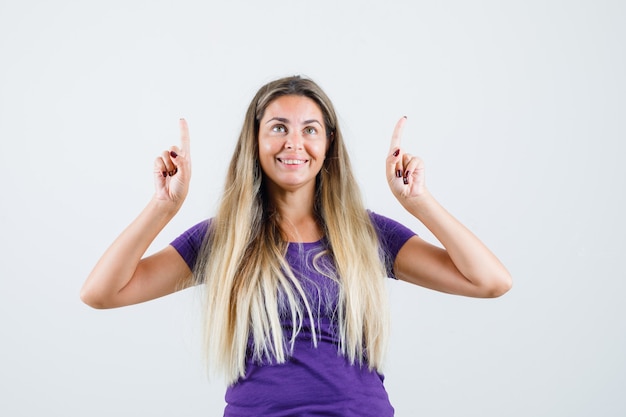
(405, 117)
(398, 173)
(397, 152)
(405, 180)
(173, 154)
(164, 174)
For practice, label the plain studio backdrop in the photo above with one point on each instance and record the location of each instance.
(517, 108)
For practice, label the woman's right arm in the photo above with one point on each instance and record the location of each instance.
(122, 276)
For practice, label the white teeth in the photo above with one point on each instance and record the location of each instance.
(293, 161)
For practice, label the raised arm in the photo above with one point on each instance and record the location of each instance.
(122, 276)
(464, 266)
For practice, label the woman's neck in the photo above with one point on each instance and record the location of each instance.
(298, 221)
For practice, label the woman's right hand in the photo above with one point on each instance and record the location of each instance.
(172, 170)
(123, 276)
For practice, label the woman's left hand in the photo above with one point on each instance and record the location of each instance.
(464, 265)
(405, 172)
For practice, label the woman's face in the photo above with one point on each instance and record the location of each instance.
(292, 143)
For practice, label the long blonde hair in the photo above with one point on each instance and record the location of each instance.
(242, 262)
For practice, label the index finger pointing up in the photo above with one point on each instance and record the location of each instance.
(397, 135)
(184, 136)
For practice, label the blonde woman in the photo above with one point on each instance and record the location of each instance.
(293, 264)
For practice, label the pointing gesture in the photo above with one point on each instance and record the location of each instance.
(172, 170)
(405, 172)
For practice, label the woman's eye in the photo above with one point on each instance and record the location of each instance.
(310, 130)
(279, 129)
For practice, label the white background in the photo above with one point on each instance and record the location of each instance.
(517, 107)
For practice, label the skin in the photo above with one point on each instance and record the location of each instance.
(292, 130)
(292, 149)
(122, 277)
(464, 266)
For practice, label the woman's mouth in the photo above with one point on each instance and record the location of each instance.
(292, 161)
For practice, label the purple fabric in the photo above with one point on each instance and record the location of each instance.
(313, 381)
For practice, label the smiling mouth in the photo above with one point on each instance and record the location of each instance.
(292, 161)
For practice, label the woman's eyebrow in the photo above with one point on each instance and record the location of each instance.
(279, 119)
(285, 120)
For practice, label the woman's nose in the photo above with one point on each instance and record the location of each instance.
(293, 141)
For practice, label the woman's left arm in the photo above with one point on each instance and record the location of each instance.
(464, 266)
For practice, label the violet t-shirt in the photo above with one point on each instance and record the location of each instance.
(314, 381)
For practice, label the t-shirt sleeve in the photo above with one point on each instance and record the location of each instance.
(392, 236)
(189, 243)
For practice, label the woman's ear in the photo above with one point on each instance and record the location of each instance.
(331, 138)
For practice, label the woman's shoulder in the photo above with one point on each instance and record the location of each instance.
(391, 233)
(385, 224)
(189, 243)
(197, 231)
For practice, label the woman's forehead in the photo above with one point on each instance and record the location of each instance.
(294, 109)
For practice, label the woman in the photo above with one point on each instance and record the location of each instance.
(293, 264)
